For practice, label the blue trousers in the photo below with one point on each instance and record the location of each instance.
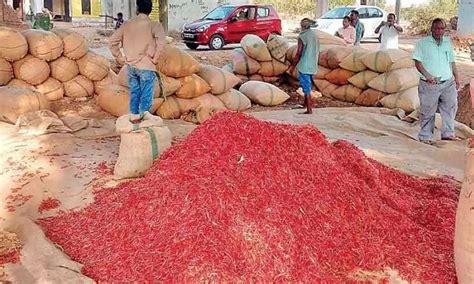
(305, 82)
(141, 83)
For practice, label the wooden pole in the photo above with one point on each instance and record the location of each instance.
(164, 14)
(321, 7)
(398, 7)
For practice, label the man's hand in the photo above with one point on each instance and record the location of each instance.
(458, 84)
(430, 79)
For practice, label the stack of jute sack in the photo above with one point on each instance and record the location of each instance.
(369, 78)
(39, 66)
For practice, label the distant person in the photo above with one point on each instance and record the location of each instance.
(389, 32)
(118, 21)
(306, 60)
(347, 32)
(142, 41)
(359, 28)
(434, 59)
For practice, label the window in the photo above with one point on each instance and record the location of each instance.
(375, 13)
(219, 13)
(244, 14)
(263, 12)
(363, 13)
(338, 13)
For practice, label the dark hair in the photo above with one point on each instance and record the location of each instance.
(144, 7)
(347, 18)
(120, 14)
(438, 20)
(355, 12)
(392, 15)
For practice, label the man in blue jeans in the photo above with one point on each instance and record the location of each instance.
(142, 41)
(306, 60)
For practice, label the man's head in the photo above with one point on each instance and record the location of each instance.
(391, 18)
(438, 27)
(119, 15)
(354, 15)
(306, 23)
(346, 21)
(144, 7)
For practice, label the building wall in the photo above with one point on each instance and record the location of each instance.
(466, 20)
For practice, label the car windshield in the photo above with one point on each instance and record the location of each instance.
(219, 13)
(338, 13)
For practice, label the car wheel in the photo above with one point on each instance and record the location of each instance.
(216, 42)
(191, 45)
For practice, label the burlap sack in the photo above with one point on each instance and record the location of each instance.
(408, 100)
(273, 68)
(291, 53)
(173, 107)
(361, 80)
(6, 72)
(78, 87)
(339, 76)
(75, 44)
(323, 58)
(347, 93)
(264, 94)
(255, 48)
(17, 101)
(139, 148)
(228, 67)
(278, 46)
(328, 39)
(405, 62)
(13, 45)
(52, 89)
(21, 84)
(110, 79)
(207, 106)
(209, 101)
(176, 63)
(115, 100)
(31, 70)
(64, 69)
(244, 78)
(43, 44)
(370, 97)
(258, 77)
(169, 85)
(322, 72)
(381, 61)
(235, 100)
(395, 81)
(243, 64)
(123, 124)
(192, 86)
(122, 77)
(93, 66)
(218, 79)
(337, 54)
(325, 87)
(353, 61)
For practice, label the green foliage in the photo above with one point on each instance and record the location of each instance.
(291, 7)
(335, 3)
(420, 17)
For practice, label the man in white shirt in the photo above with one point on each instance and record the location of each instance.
(389, 32)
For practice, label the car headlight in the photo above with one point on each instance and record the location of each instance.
(203, 28)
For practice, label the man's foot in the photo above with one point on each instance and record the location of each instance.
(427, 142)
(452, 138)
(136, 118)
(309, 105)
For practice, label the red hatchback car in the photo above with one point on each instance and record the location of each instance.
(229, 24)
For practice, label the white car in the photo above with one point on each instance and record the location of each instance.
(370, 17)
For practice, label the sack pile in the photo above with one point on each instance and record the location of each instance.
(54, 64)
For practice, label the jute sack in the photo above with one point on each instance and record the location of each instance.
(167, 84)
(6, 72)
(209, 101)
(278, 46)
(74, 44)
(228, 67)
(64, 69)
(325, 87)
(255, 48)
(328, 39)
(122, 77)
(243, 64)
(110, 79)
(370, 97)
(347, 93)
(323, 58)
(78, 87)
(244, 78)
(192, 86)
(291, 53)
(207, 106)
(407, 100)
(17, 101)
(139, 148)
(31, 70)
(353, 61)
(361, 80)
(123, 124)
(43, 44)
(21, 84)
(13, 45)
(395, 81)
(52, 89)
(381, 61)
(336, 55)
(235, 100)
(177, 63)
(339, 76)
(258, 77)
(405, 62)
(218, 79)
(322, 72)
(173, 107)
(272, 68)
(115, 100)
(264, 94)
(93, 66)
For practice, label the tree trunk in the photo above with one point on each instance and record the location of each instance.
(164, 14)
(321, 7)
(398, 7)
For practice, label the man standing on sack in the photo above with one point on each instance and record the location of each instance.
(434, 59)
(142, 41)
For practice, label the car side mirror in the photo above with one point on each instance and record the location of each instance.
(233, 19)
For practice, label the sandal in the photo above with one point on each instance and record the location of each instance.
(452, 138)
(427, 142)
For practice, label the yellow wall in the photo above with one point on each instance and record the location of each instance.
(155, 13)
(96, 8)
